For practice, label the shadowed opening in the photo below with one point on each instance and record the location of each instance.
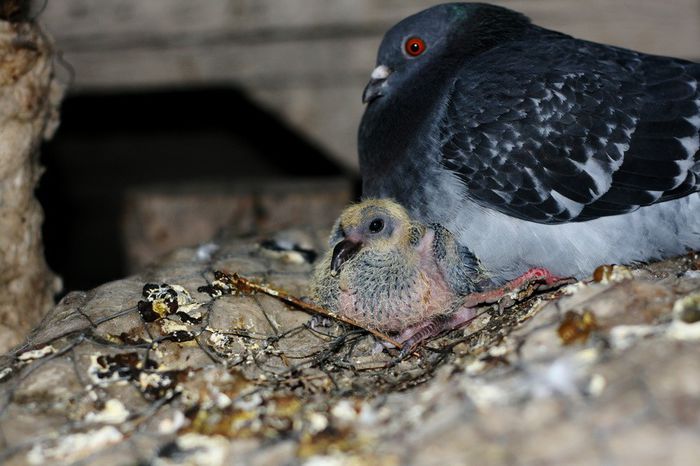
(108, 144)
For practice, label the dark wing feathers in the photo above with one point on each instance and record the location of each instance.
(664, 148)
(572, 130)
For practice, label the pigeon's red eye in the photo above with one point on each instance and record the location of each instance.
(414, 46)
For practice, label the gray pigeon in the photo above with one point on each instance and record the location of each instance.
(533, 148)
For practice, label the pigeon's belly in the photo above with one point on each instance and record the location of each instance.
(508, 246)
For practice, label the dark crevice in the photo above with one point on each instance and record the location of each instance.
(108, 144)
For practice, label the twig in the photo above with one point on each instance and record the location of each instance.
(244, 285)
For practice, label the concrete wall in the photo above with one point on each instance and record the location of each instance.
(308, 60)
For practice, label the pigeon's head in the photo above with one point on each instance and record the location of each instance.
(379, 224)
(437, 37)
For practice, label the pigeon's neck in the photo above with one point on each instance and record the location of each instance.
(396, 126)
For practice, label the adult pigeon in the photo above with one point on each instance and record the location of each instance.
(534, 148)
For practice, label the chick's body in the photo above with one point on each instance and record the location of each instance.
(387, 272)
(385, 289)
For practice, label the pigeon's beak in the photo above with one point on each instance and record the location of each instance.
(343, 252)
(373, 90)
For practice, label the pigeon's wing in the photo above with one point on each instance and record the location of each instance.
(662, 161)
(574, 139)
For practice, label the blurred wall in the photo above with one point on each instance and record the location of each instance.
(307, 60)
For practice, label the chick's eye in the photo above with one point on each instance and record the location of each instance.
(414, 46)
(376, 226)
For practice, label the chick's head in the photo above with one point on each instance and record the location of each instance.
(377, 224)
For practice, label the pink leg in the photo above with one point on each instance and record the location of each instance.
(535, 275)
(416, 334)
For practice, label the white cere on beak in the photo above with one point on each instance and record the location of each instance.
(380, 72)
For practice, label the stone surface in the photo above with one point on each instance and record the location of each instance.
(29, 100)
(596, 372)
(308, 60)
(158, 220)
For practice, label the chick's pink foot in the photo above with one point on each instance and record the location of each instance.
(416, 334)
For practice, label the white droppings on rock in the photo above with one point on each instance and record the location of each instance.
(623, 337)
(91, 393)
(327, 460)
(5, 372)
(171, 326)
(498, 351)
(103, 376)
(679, 330)
(597, 385)
(685, 304)
(203, 449)
(344, 411)
(574, 287)
(158, 380)
(291, 257)
(565, 375)
(185, 302)
(114, 412)
(607, 274)
(205, 251)
(476, 368)
(169, 426)
(250, 402)
(218, 340)
(485, 395)
(36, 354)
(222, 400)
(368, 415)
(686, 319)
(74, 447)
(190, 309)
(317, 422)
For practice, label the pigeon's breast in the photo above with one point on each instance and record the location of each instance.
(508, 246)
(397, 151)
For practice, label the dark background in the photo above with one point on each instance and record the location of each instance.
(110, 143)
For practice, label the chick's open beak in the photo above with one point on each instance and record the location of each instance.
(373, 89)
(343, 252)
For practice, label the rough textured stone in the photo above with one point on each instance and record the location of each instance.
(242, 379)
(29, 99)
(159, 220)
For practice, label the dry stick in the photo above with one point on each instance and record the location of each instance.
(245, 285)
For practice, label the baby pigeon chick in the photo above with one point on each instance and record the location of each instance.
(392, 274)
